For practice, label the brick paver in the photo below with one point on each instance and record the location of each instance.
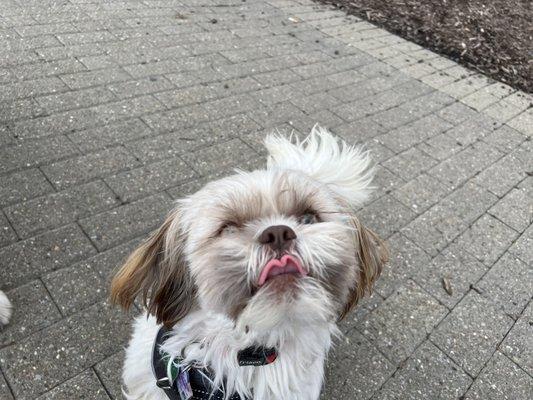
(109, 110)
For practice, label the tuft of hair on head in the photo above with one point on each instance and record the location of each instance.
(346, 170)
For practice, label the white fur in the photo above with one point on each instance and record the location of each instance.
(297, 373)
(300, 326)
(137, 374)
(346, 169)
(5, 309)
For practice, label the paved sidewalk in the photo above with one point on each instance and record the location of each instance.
(109, 110)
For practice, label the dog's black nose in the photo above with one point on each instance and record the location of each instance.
(278, 237)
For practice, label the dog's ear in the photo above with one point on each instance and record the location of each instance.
(372, 255)
(344, 169)
(157, 272)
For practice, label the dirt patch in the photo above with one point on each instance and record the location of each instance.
(494, 37)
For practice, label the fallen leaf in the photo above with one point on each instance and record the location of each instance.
(447, 286)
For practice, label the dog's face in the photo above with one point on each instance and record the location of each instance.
(264, 247)
(264, 241)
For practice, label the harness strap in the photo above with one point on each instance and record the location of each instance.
(159, 367)
(201, 387)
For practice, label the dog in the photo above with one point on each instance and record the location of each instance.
(5, 309)
(259, 265)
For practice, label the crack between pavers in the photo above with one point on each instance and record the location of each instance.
(63, 315)
(9, 388)
(93, 368)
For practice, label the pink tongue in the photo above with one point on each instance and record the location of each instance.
(286, 264)
(282, 270)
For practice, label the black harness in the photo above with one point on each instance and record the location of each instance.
(191, 383)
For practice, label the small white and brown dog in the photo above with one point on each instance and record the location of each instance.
(272, 258)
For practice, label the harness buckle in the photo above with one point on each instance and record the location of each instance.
(164, 383)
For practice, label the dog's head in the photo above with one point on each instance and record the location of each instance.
(264, 247)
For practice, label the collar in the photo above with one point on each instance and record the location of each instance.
(256, 356)
(183, 382)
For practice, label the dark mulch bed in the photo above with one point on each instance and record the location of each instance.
(494, 37)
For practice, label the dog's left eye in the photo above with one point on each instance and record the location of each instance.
(228, 228)
(308, 218)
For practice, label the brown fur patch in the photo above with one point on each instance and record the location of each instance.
(165, 287)
(373, 254)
